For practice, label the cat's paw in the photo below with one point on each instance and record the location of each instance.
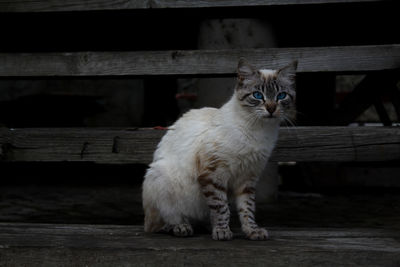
(222, 233)
(257, 234)
(182, 230)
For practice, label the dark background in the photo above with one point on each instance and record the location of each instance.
(293, 26)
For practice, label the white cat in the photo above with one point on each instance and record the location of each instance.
(211, 153)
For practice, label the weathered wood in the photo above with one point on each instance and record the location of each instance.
(80, 245)
(338, 144)
(79, 5)
(97, 145)
(199, 62)
(303, 144)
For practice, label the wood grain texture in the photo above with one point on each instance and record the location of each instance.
(89, 5)
(121, 146)
(199, 62)
(104, 245)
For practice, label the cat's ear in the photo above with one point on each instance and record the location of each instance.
(245, 71)
(288, 73)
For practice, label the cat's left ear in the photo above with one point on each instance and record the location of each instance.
(245, 71)
(288, 73)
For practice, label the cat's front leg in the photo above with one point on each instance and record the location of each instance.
(215, 194)
(246, 206)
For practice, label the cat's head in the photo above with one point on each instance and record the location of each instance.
(266, 93)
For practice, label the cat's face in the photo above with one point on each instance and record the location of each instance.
(267, 94)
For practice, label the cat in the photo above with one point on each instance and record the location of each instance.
(211, 153)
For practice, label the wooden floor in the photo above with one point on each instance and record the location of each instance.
(98, 245)
(77, 225)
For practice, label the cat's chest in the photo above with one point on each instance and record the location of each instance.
(250, 150)
(245, 142)
(251, 156)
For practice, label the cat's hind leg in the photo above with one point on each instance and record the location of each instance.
(175, 222)
(179, 230)
(163, 204)
(152, 220)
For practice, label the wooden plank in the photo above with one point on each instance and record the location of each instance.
(338, 144)
(105, 245)
(79, 5)
(303, 144)
(199, 62)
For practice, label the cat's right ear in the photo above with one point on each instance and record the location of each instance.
(245, 71)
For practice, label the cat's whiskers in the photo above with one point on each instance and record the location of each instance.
(286, 119)
(251, 119)
(292, 122)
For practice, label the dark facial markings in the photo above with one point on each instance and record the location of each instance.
(277, 87)
(274, 85)
(254, 102)
(244, 96)
(270, 87)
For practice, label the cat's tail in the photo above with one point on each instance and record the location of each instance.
(153, 221)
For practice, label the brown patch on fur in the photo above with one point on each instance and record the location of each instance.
(213, 162)
(204, 181)
(248, 190)
(208, 163)
(152, 220)
(216, 207)
(197, 161)
(219, 187)
(211, 168)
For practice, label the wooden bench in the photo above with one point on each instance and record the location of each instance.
(136, 146)
(31, 244)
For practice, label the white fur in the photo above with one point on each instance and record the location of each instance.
(267, 72)
(171, 185)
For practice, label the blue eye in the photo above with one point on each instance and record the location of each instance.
(281, 95)
(258, 95)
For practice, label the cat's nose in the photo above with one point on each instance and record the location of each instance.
(271, 107)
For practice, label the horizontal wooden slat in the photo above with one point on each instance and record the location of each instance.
(198, 62)
(137, 145)
(108, 245)
(79, 5)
